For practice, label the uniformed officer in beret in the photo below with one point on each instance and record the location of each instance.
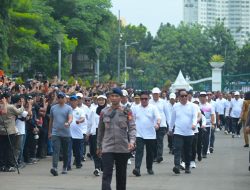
(116, 124)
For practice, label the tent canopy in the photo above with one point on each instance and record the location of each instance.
(180, 83)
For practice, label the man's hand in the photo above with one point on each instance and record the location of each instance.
(98, 152)
(170, 133)
(87, 137)
(131, 146)
(49, 135)
(66, 124)
(157, 126)
(193, 127)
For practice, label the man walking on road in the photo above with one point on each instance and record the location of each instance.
(147, 119)
(115, 125)
(184, 118)
(59, 131)
(162, 108)
(235, 111)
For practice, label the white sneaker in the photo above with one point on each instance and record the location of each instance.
(226, 132)
(192, 164)
(129, 162)
(217, 129)
(208, 152)
(97, 172)
(183, 165)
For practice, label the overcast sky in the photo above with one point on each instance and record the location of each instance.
(151, 13)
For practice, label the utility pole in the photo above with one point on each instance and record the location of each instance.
(119, 49)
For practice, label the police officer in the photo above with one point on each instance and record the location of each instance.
(116, 123)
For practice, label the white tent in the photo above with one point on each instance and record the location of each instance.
(180, 83)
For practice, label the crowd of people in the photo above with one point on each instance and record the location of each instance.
(38, 119)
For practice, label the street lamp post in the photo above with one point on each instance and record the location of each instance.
(59, 60)
(59, 39)
(98, 51)
(125, 61)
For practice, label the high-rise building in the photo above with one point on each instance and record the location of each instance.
(234, 13)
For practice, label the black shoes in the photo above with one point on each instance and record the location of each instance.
(136, 172)
(176, 170)
(246, 145)
(187, 170)
(78, 166)
(54, 172)
(199, 158)
(150, 172)
(211, 149)
(159, 160)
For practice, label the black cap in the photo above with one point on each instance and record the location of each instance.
(116, 91)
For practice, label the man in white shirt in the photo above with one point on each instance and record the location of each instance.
(76, 129)
(235, 111)
(228, 120)
(210, 100)
(184, 118)
(220, 110)
(161, 105)
(86, 111)
(147, 119)
(172, 100)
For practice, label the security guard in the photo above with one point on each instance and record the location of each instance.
(115, 126)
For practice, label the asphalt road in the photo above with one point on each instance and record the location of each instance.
(225, 169)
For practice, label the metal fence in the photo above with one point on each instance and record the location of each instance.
(240, 82)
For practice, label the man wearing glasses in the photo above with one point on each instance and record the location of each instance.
(148, 120)
(59, 131)
(184, 118)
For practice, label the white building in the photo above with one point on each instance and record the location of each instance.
(235, 13)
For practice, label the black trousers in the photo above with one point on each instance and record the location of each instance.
(150, 147)
(228, 125)
(93, 146)
(120, 160)
(182, 144)
(194, 146)
(199, 142)
(7, 158)
(42, 142)
(235, 126)
(76, 145)
(30, 147)
(222, 121)
(160, 133)
(206, 140)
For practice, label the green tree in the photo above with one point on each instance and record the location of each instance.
(223, 44)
